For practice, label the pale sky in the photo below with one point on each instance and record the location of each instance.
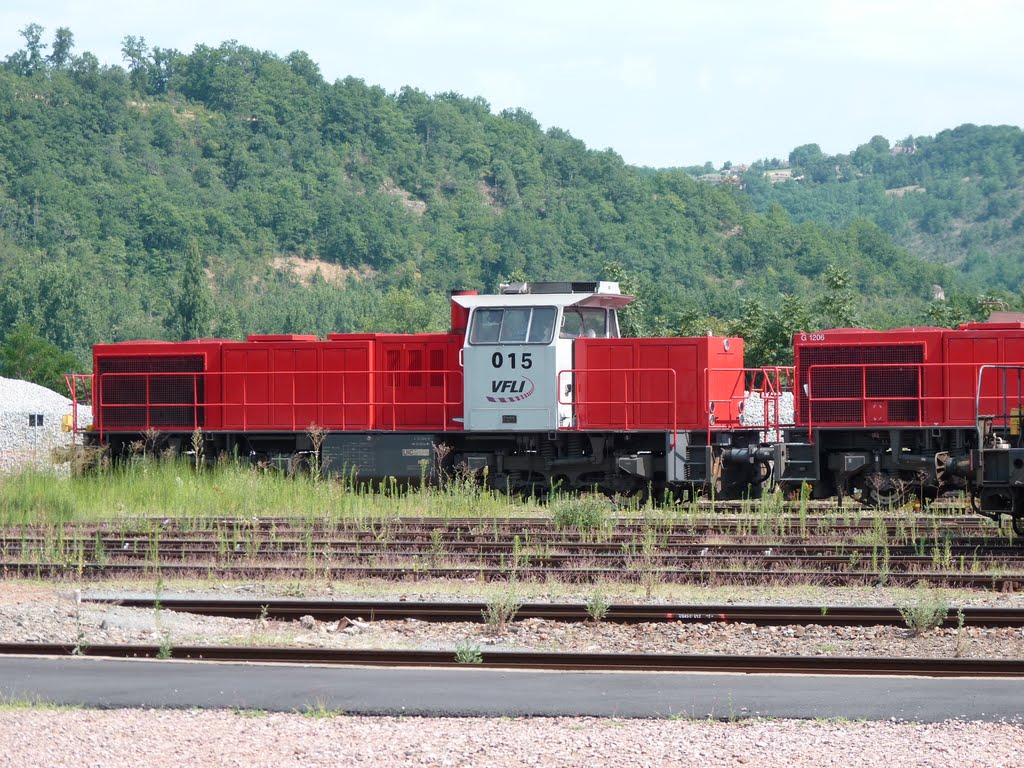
(661, 82)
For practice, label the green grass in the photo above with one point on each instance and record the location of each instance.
(21, 704)
(145, 489)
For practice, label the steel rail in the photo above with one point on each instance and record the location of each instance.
(624, 525)
(666, 546)
(607, 662)
(393, 610)
(1006, 582)
(716, 561)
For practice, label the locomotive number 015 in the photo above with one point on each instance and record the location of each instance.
(523, 359)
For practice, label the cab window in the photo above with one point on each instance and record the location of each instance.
(586, 322)
(512, 325)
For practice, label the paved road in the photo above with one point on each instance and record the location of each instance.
(463, 692)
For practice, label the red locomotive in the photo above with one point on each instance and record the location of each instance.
(911, 410)
(534, 388)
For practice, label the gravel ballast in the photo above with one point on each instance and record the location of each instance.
(76, 738)
(43, 615)
(34, 735)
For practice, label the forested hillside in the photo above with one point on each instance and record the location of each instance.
(955, 198)
(230, 191)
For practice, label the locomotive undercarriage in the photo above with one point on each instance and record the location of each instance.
(617, 464)
(879, 468)
(627, 465)
(537, 463)
(285, 451)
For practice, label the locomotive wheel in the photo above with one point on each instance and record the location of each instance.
(892, 497)
(1017, 510)
(883, 491)
(633, 498)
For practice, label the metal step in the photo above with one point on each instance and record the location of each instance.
(801, 463)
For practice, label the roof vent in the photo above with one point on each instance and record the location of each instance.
(559, 287)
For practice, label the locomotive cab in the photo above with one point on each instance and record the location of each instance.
(518, 351)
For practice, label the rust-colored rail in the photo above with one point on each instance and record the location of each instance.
(1004, 582)
(381, 610)
(808, 665)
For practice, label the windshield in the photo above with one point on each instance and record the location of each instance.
(512, 325)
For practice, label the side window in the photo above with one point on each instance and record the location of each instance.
(572, 324)
(595, 323)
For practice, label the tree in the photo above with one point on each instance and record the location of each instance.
(33, 34)
(193, 312)
(135, 51)
(767, 332)
(63, 43)
(838, 306)
(27, 355)
(631, 321)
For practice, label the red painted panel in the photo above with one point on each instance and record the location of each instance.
(968, 349)
(346, 383)
(655, 384)
(289, 385)
(246, 387)
(419, 382)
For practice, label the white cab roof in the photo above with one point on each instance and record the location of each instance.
(606, 300)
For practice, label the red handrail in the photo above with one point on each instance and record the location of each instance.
(969, 372)
(390, 396)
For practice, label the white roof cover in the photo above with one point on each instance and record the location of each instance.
(607, 300)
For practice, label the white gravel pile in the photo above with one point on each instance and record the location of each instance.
(759, 410)
(22, 444)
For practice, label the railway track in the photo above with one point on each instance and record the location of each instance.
(475, 528)
(999, 581)
(706, 561)
(131, 546)
(391, 610)
(884, 549)
(1003, 582)
(606, 662)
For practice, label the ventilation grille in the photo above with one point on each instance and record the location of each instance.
(852, 386)
(136, 401)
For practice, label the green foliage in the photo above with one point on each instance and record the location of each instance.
(587, 512)
(166, 648)
(597, 605)
(926, 610)
(193, 311)
(838, 304)
(768, 332)
(27, 355)
(239, 160)
(468, 653)
(956, 197)
(501, 609)
(957, 309)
